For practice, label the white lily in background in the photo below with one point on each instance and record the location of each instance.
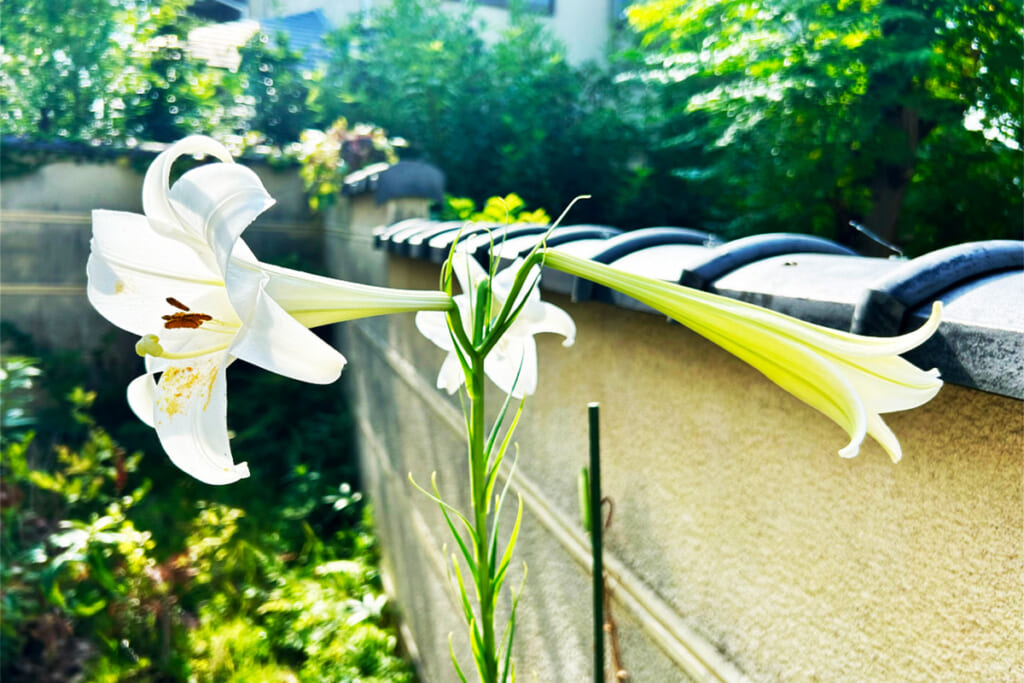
(850, 378)
(182, 279)
(512, 363)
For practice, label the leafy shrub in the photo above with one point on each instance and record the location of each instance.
(220, 592)
(496, 118)
(508, 209)
(328, 157)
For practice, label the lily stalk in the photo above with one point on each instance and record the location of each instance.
(488, 333)
(850, 378)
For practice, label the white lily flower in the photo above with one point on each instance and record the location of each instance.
(182, 279)
(850, 378)
(512, 363)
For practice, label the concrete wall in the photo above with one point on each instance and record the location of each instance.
(742, 546)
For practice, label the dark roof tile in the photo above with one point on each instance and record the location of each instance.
(980, 342)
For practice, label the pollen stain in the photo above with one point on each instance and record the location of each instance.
(178, 385)
(119, 287)
(182, 386)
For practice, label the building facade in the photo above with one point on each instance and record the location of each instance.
(584, 26)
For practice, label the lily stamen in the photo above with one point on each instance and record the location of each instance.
(190, 321)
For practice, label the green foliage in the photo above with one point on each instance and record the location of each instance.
(797, 115)
(163, 93)
(328, 157)
(273, 86)
(806, 115)
(58, 59)
(508, 209)
(98, 71)
(509, 116)
(78, 575)
(18, 377)
(107, 577)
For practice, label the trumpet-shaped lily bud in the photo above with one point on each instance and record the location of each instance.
(850, 378)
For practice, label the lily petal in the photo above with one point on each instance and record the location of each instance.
(467, 271)
(512, 366)
(434, 326)
(132, 269)
(216, 203)
(142, 398)
(315, 300)
(272, 339)
(550, 318)
(450, 378)
(190, 410)
(155, 200)
(530, 293)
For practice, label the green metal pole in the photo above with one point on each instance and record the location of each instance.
(596, 527)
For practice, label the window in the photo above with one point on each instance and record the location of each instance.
(539, 6)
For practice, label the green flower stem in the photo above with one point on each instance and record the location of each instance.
(487, 657)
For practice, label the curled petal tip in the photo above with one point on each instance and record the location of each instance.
(934, 318)
(850, 451)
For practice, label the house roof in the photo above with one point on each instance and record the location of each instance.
(218, 44)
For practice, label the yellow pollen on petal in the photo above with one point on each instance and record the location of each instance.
(119, 287)
(179, 384)
(209, 390)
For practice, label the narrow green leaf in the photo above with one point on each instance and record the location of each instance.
(455, 532)
(438, 500)
(467, 608)
(493, 550)
(499, 576)
(455, 660)
(492, 474)
(510, 630)
(481, 310)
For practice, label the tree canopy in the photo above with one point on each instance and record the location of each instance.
(900, 115)
(737, 116)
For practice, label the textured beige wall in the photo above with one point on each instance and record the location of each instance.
(742, 545)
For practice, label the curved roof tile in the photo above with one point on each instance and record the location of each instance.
(980, 342)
